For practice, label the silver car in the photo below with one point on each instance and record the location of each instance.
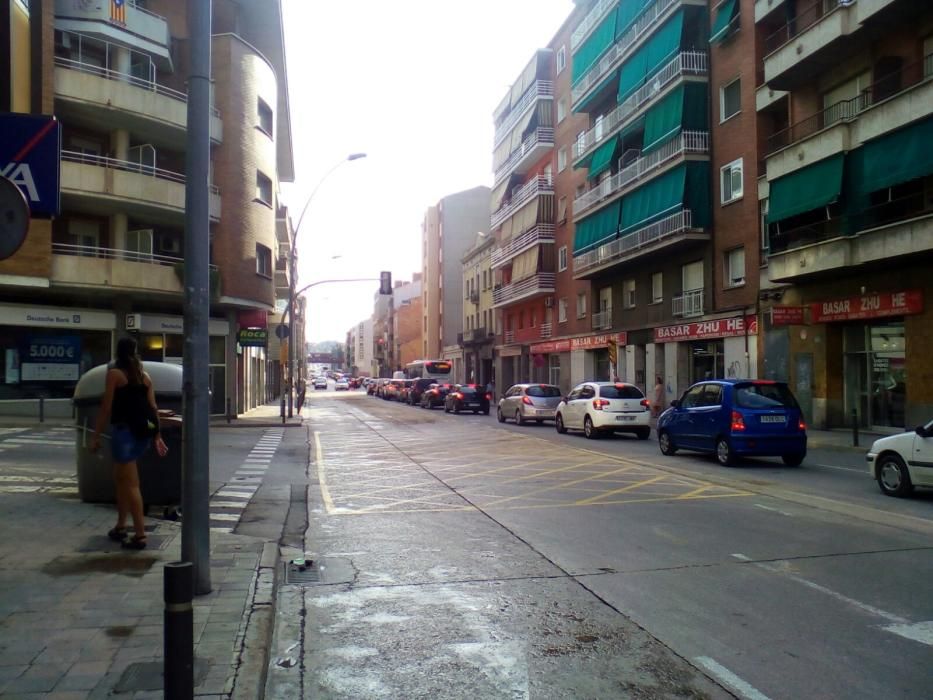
(526, 402)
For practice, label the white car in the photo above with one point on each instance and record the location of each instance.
(342, 385)
(900, 462)
(320, 382)
(598, 408)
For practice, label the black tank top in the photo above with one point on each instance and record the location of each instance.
(129, 400)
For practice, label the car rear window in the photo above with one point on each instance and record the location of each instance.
(545, 392)
(764, 396)
(621, 391)
(467, 390)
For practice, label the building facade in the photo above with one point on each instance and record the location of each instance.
(407, 320)
(478, 323)
(359, 351)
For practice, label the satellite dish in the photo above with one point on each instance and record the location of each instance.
(14, 218)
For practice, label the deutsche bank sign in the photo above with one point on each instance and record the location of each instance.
(30, 153)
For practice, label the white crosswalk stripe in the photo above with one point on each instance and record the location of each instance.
(236, 494)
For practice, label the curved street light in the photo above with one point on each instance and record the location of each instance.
(292, 271)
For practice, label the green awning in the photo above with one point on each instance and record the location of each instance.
(806, 189)
(632, 75)
(660, 48)
(697, 193)
(602, 157)
(724, 14)
(627, 13)
(684, 108)
(654, 200)
(595, 46)
(896, 157)
(597, 228)
(582, 104)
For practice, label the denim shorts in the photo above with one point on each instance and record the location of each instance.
(124, 446)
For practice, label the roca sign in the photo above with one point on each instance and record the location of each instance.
(253, 337)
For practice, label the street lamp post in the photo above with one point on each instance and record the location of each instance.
(292, 272)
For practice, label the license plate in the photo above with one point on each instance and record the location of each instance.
(773, 419)
(625, 418)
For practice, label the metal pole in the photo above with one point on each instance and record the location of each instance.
(854, 428)
(195, 530)
(291, 325)
(178, 631)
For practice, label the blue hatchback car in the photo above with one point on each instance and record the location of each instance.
(735, 418)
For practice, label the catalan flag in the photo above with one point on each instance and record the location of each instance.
(118, 11)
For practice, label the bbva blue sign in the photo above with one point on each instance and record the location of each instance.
(30, 156)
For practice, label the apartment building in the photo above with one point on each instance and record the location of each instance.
(845, 115)
(359, 351)
(407, 320)
(110, 262)
(478, 323)
(383, 361)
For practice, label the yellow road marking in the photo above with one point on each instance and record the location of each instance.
(319, 458)
(616, 491)
(557, 486)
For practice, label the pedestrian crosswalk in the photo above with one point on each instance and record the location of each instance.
(18, 444)
(61, 438)
(230, 500)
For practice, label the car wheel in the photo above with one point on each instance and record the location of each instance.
(893, 477)
(588, 429)
(518, 417)
(559, 424)
(724, 452)
(499, 416)
(644, 433)
(666, 444)
(793, 460)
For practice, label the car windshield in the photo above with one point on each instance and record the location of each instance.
(764, 395)
(543, 391)
(620, 391)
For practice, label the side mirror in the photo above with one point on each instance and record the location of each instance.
(675, 403)
(921, 431)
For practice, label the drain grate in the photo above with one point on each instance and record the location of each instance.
(302, 575)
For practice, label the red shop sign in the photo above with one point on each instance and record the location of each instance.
(705, 330)
(591, 342)
(868, 306)
(786, 315)
(253, 318)
(552, 346)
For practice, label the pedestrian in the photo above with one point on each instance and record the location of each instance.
(491, 390)
(129, 405)
(658, 405)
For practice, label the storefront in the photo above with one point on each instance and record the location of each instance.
(569, 361)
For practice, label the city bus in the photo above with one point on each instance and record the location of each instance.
(429, 369)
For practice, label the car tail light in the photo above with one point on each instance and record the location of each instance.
(738, 422)
(646, 403)
(599, 404)
(433, 392)
(801, 426)
(489, 397)
(457, 395)
(527, 401)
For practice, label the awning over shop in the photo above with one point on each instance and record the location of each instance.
(724, 14)
(660, 48)
(594, 47)
(684, 108)
(806, 189)
(602, 157)
(597, 228)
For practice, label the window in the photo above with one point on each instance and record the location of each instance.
(598, 127)
(764, 230)
(628, 293)
(548, 173)
(85, 234)
(562, 210)
(841, 103)
(561, 59)
(657, 287)
(730, 100)
(561, 109)
(692, 276)
(581, 142)
(562, 258)
(562, 310)
(581, 305)
(735, 267)
(263, 189)
(140, 242)
(263, 261)
(730, 181)
(561, 160)
(265, 117)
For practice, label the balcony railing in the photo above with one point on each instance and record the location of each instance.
(474, 296)
(602, 320)
(545, 330)
(508, 337)
(594, 17)
(538, 283)
(632, 243)
(686, 142)
(882, 89)
(542, 136)
(541, 89)
(617, 51)
(685, 63)
(127, 166)
(111, 74)
(804, 18)
(90, 251)
(687, 304)
(541, 233)
(539, 185)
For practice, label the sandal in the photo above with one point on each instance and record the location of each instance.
(117, 534)
(135, 542)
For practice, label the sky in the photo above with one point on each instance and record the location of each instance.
(412, 84)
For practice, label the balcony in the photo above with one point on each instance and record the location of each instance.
(687, 143)
(508, 337)
(766, 96)
(531, 189)
(533, 148)
(593, 18)
(764, 7)
(128, 187)
(602, 320)
(649, 20)
(686, 63)
(545, 329)
(687, 304)
(476, 336)
(541, 90)
(539, 283)
(540, 233)
(474, 296)
(142, 30)
(668, 232)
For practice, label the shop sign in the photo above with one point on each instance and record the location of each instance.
(173, 325)
(592, 342)
(551, 347)
(707, 330)
(253, 318)
(30, 152)
(51, 359)
(877, 305)
(253, 337)
(786, 315)
(22, 315)
(507, 351)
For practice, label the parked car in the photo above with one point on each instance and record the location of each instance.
(467, 397)
(320, 382)
(404, 390)
(417, 389)
(435, 395)
(735, 418)
(342, 384)
(599, 408)
(900, 462)
(392, 388)
(537, 402)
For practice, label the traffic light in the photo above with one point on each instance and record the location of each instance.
(385, 282)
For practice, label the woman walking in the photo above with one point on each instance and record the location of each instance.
(129, 405)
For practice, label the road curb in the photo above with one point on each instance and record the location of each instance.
(258, 621)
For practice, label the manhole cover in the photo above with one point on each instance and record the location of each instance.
(302, 575)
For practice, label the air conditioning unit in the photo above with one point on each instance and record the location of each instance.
(549, 302)
(169, 244)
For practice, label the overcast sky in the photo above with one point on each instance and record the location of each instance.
(413, 84)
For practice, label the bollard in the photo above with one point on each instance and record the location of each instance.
(229, 408)
(854, 428)
(282, 409)
(178, 630)
(42, 409)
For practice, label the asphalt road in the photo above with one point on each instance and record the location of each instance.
(454, 542)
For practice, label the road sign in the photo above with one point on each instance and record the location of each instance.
(30, 155)
(281, 331)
